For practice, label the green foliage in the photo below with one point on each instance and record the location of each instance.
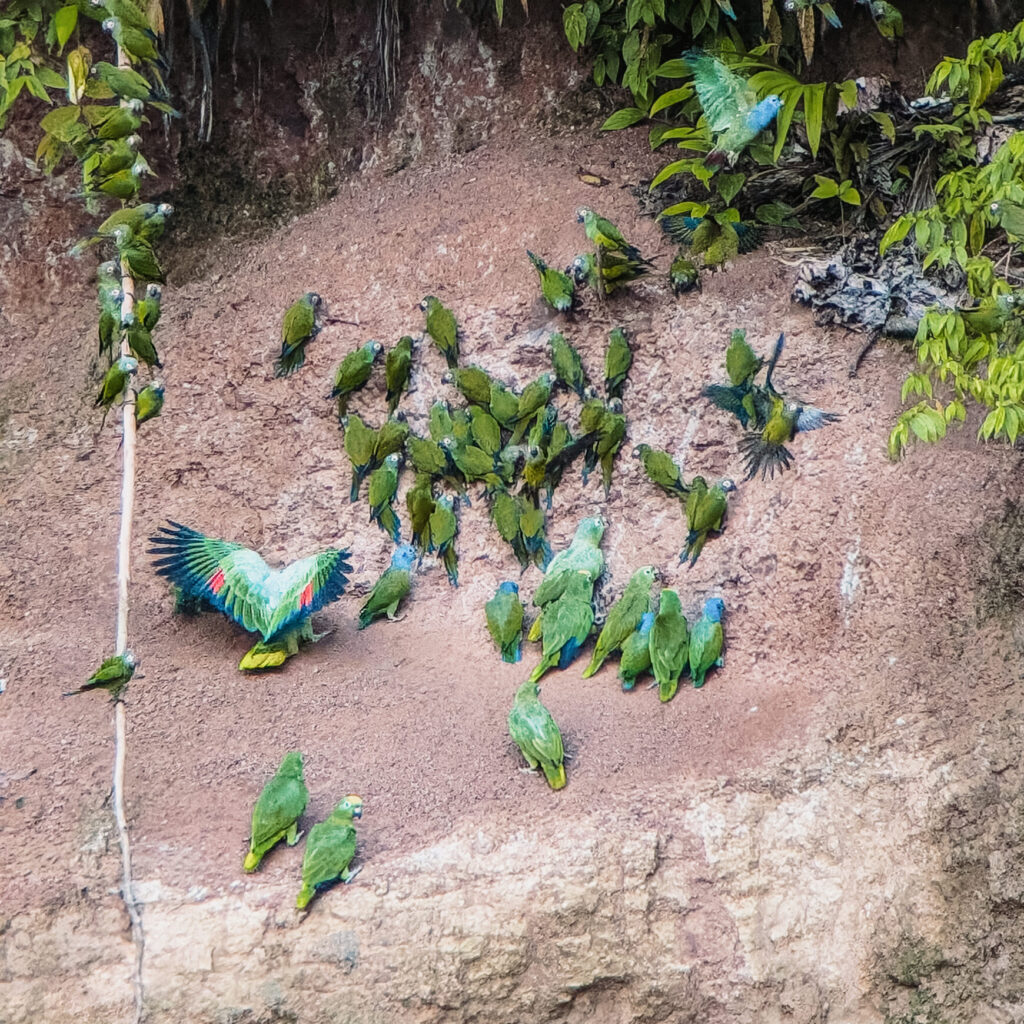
(972, 357)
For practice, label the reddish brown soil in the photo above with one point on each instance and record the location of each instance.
(412, 715)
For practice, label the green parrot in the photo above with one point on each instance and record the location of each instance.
(137, 256)
(722, 247)
(582, 555)
(238, 582)
(426, 455)
(109, 124)
(390, 589)
(532, 532)
(113, 676)
(504, 404)
(109, 300)
(419, 500)
(558, 288)
(534, 730)
(360, 444)
(1009, 216)
(147, 309)
(382, 493)
(532, 401)
(273, 653)
(299, 326)
(277, 811)
(705, 514)
(123, 184)
(505, 511)
(114, 383)
(149, 402)
(442, 328)
(887, 18)
(135, 44)
(623, 617)
(706, 640)
(504, 613)
(765, 451)
(397, 371)
(616, 271)
(669, 644)
(443, 528)
(391, 438)
(125, 83)
(353, 372)
(636, 653)
(567, 364)
(604, 234)
(611, 435)
(140, 342)
(145, 222)
(130, 12)
(683, 275)
(747, 401)
(485, 430)
(329, 851)
(618, 359)
(661, 470)
(115, 156)
(474, 463)
(473, 383)
(565, 624)
(991, 314)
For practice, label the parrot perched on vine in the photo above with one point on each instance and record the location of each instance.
(397, 371)
(135, 43)
(391, 587)
(277, 810)
(706, 640)
(567, 364)
(661, 470)
(705, 514)
(114, 383)
(669, 644)
(557, 288)
(442, 328)
(330, 847)
(733, 114)
(112, 675)
(636, 653)
(382, 493)
(353, 372)
(534, 730)
(274, 603)
(149, 402)
(298, 327)
(504, 613)
(140, 341)
(147, 309)
(623, 617)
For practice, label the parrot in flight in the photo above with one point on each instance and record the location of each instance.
(706, 641)
(277, 810)
(299, 326)
(557, 288)
(442, 328)
(534, 730)
(636, 653)
(390, 589)
(277, 604)
(624, 617)
(733, 114)
(696, 233)
(113, 676)
(330, 847)
(504, 613)
(766, 451)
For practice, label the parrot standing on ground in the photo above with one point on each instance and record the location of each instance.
(277, 810)
(604, 234)
(353, 372)
(624, 617)
(390, 589)
(636, 653)
(534, 730)
(112, 676)
(504, 614)
(683, 275)
(706, 641)
(733, 114)
(442, 328)
(669, 644)
(582, 555)
(397, 371)
(614, 272)
(329, 850)
(558, 288)
(564, 625)
(298, 327)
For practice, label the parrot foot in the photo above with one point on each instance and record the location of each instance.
(314, 638)
(395, 618)
(530, 771)
(351, 875)
(720, 662)
(651, 686)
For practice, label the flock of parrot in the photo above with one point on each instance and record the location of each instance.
(510, 447)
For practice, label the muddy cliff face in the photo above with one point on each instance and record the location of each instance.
(828, 831)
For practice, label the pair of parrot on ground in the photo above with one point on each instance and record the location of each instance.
(331, 844)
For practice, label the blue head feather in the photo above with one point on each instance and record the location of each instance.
(764, 113)
(508, 587)
(713, 609)
(403, 557)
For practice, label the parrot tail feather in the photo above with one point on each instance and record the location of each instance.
(555, 774)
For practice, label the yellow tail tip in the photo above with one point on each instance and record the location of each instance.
(303, 899)
(556, 779)
(252, 861)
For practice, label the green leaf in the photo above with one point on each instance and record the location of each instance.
(676, 167)
(673, 96)
(827, 188)
(35, 87)
(896, 233)
(57, 121)
(814, 103)
(65, 20)
(687, 207)
(884, 121)
(728, 185)
(623, 119)
(850, 196)
(773, 213)
(848, 93)
(673, 69)
(574, 21)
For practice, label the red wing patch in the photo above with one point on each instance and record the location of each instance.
(306, 597)
(216, 581)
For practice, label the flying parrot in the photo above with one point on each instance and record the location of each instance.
(697, 233)
(330, 847)
(112, 676)
(278, 604)
(705, 514)
(618, 358)
(149, 402)
(765, 451)
(733, 114)
(298, 327)
(706, 640)
(390, 589)
(534, 730)
(442, 328)
(382, 493)
(277, 810)
(636, 653)
(504, 614)
(661, 470)
(669, 644)
(623, 617)
(567, 364)
(558, 288)
(353, 372)
(397, 371)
